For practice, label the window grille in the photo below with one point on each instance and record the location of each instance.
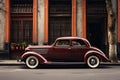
(21, 30)
(60, 15)
(21, 21)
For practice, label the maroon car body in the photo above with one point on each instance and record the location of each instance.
(64, 49)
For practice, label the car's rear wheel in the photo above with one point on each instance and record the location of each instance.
(93, 61)
(32, 62)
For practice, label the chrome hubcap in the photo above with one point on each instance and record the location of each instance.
(32, 61)
(93, 61)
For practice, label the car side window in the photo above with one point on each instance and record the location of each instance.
(62, 43)
(78, 43)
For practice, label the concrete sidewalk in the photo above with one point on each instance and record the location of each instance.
(10, 62)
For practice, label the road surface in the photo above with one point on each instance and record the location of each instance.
(60, 72)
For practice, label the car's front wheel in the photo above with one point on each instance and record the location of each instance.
(32, 62)
(93, 61)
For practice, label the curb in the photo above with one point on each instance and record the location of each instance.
(15, 62)
(10, 62)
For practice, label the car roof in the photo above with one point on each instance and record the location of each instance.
(71, 38)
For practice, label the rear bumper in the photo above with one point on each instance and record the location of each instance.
(109, 60)
(106, 60)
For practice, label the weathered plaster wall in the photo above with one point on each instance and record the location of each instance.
(79, 17)
(2, 23)
(40, 22)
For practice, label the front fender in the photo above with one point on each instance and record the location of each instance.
(40, 57)
(101, 56)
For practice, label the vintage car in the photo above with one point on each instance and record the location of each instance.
(64, 49)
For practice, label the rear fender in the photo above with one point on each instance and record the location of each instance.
(101, 56)
(40, 57)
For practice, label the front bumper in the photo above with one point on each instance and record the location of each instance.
(19, 60)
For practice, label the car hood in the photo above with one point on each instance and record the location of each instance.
(37, 47)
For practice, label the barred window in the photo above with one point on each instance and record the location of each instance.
(21, 21)
(60, 19)
(21, 30)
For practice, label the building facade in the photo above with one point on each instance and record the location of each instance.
(37, 22)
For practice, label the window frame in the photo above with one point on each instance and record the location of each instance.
(8, 19)
(63, 45)
(83, 44)
(46, 16)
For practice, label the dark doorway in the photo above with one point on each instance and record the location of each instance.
(97, 24)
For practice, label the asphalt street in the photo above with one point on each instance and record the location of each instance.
(60, 72)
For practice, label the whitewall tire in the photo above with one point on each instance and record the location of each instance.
(93, 61)
(32, 62)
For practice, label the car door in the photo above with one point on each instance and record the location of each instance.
(78, 50)
(60, 51)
